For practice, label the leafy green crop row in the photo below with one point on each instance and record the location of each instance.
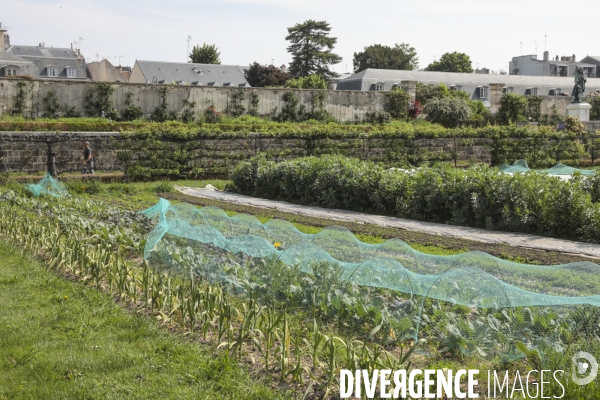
(479, 196)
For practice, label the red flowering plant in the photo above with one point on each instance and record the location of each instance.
(414, 109)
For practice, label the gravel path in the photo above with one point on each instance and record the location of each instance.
(480, 235)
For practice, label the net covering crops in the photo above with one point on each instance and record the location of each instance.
(487, 304)
(558, 169)
(47, 186)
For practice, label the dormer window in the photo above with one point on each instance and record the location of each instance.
(483, 92)
(531, 91)
(9, 71)
(455, 87)
(554, 92)
(378, 87)
(507, 89)
(52, 71)
(71, 72)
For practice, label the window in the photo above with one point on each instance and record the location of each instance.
(531, 92)
(508, 89)
(10, 72)
(483, 92)
(71, 72)
(52, 71)
(562, 71)
(379, 87)
(455, 87)
(554, 92)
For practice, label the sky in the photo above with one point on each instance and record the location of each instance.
(490, 32)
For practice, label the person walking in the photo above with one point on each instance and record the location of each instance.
(88, 163)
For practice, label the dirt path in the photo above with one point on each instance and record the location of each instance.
(461, 232)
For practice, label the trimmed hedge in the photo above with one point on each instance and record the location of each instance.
(481, 196)
(190, 131)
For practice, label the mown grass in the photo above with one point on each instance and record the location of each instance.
(63, 340)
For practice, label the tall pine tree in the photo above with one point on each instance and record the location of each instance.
(311, 49)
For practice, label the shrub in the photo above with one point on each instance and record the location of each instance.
(415, 109)
(212, 116)
(595, 111)
(449, 112)
(513, 108)
(131, 112)
(378, 118)
(481, 197)
(398, 103)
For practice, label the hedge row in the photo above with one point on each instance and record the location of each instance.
(481, 196)
(179, 130)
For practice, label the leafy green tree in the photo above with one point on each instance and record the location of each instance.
(513, 108)
(449, 112)
(426, 92)
(307, 82)
(259, 75)
(452, 62)
(401, 56)
(398, 102)
(207, 54)
(311, 49)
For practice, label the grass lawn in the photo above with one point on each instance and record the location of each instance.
(63, 340)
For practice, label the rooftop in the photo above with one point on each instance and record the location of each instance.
(43, 52)
(191, 73)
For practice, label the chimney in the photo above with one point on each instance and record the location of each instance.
(3, 45)
(546, 56)
(574, 59)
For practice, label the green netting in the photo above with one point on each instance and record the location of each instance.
(487, 303)
(49, 186)
(558, 169)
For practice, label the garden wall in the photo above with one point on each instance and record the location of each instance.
(344, 106)
(28, 151)
(216, 155)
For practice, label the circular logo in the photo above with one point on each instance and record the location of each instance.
(584, 368)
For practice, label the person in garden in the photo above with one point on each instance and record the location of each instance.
(88, 163)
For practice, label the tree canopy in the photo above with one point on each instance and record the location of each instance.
(207, 54)
(452, 62)
(307, 82)
(401, 56)
(311, 49)
(259, 75)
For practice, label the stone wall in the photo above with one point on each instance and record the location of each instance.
(28, 151)
(344, 106)
(592, 126)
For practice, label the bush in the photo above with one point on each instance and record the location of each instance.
(481, 197)
(212, 116)
(513, 109)
(307, 82)
(448, 112)
(398, 103)
(595, 111)
(378, 118)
